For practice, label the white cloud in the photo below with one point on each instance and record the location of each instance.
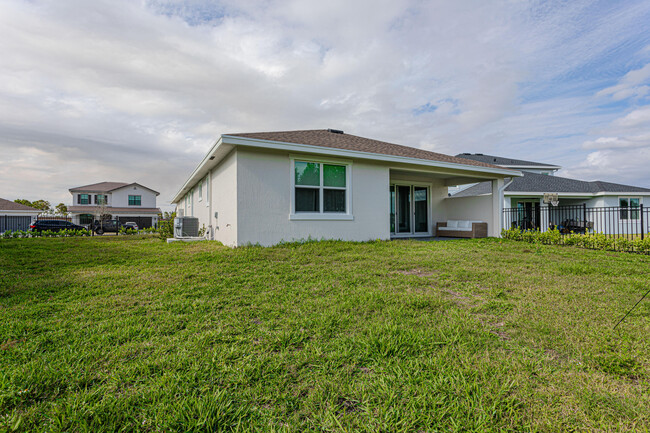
(137, 91)
(618, 142)
(635, 119)
(631, 85)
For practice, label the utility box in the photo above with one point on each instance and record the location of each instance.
(186, 227)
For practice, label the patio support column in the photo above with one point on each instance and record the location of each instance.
(494, 229)
(544, 213)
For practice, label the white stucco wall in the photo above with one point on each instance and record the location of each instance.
(264, 196)
(120, 197)
(471, 208)
(223, 200)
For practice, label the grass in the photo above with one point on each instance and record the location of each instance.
(131, 334)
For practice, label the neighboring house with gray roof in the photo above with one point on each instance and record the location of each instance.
(15, 216)
(517, 164)
(265, 188)
(526, 193)
(114, 200)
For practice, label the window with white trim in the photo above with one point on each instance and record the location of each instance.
(201, 190)
(629, 207)
(320, 187)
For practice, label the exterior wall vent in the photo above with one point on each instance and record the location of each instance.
(335, 131)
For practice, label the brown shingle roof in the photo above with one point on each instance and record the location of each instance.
(12, 205)
(107, 187)
(325, 138)
(100, 187)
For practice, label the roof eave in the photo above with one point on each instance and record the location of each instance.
(333, 151)
(232, 140)
(194, 176)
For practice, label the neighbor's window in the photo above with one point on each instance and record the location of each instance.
(101, 199)
(86, 218)
(84, 199)
(135, 200)
(201, 190)
(629, 208)
(320, 187)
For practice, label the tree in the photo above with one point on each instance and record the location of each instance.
(61, 209)
(23, 201)
(43, 205)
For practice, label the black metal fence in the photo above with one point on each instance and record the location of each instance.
(615, 221)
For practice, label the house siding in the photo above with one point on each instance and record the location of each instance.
(223, 200)
(120, 197)
(264, 197)
(473, 209)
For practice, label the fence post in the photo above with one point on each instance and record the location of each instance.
(584, 216)
(642, 224)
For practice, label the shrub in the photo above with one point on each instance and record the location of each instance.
(166, 227)
(596, 241)
(20, 234)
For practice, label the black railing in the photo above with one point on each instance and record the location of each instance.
(614, 221)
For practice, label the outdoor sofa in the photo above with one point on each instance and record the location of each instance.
(461, 229)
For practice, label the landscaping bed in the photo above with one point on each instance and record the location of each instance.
(132, 334)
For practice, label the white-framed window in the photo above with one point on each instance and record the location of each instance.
(201, 190)
(629, 207)
(320, 189)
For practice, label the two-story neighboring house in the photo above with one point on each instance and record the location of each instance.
(114, 200)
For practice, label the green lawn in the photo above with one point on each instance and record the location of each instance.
(132, 334)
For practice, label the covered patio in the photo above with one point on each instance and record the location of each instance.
(419, 200)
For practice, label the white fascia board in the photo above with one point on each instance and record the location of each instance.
(541, 194)
(294, 147)
(131, 184)
(578, 194)
(534, 167)
(36, 212)
(616, 194)
(198, 172)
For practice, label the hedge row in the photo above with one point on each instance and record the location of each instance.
(67, 233)
(595, 241)
(44, 234)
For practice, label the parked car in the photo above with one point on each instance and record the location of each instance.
(106, 226)
(54, 225)
(130, 225)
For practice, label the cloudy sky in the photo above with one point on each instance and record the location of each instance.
(138, 90)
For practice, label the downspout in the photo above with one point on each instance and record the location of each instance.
(500, 192)
(209, 187)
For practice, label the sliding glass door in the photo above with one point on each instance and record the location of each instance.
(409, 209)
(403, 209)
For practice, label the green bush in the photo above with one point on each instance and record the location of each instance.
(21, 234)
(166, 227)
(595, 241)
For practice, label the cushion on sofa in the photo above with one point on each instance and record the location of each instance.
(452, 224)
(455, 229)
(464, 224)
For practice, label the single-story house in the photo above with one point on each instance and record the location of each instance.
(269, 187)
(15, 216)
(526, 195)
(125, 202)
